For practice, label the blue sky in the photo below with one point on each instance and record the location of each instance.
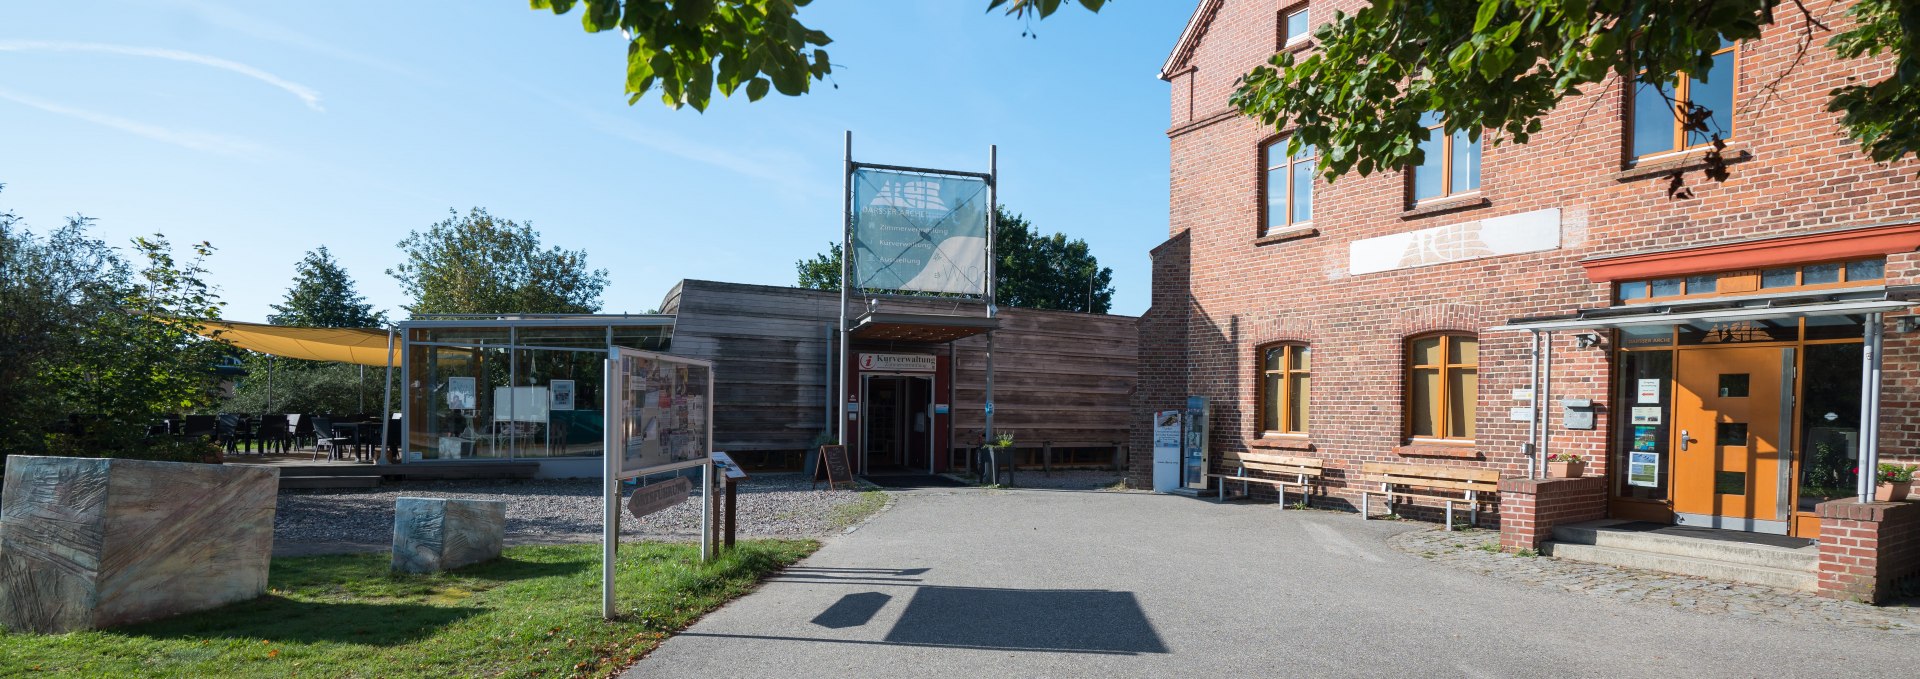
(273, 128)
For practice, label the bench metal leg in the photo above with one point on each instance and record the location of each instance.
(1449, 516)
(1363, 505)
(1473, 510)
(1223, 490)
(1283, 497)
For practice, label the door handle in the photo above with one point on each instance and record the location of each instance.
(1685, 439)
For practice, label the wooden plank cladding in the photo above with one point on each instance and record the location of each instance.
(1060, 377)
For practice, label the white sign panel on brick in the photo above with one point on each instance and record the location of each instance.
(1535, 231)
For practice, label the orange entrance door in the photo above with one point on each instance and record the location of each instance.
(1729, 469)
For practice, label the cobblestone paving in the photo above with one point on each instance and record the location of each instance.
(1478, 551)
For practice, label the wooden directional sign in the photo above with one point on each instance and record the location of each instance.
(649, 499)
(833, 462)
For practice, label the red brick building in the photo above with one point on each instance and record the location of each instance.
(1393, 318)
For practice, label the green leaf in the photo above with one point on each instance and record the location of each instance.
(1484, 18)
(757, 88)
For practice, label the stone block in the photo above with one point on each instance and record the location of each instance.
(94, 543)
(435, 534)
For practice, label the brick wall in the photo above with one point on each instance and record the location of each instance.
(1530, 508)
(1219, 294)
(1866, 548)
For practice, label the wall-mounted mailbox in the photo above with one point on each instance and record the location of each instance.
(1577, 413)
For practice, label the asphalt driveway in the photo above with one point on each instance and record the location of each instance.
(1030, 583)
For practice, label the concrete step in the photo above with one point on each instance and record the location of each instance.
(1600, 534)
(312, 482)
(1685, 565)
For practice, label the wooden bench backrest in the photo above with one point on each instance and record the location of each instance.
(1282, 464)
(1430, 476)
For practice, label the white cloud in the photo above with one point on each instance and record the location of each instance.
(192, 139)
(304, 93)
(261, 29)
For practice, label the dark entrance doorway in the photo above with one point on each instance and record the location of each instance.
(897, 433)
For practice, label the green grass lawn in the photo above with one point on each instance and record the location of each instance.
(533, 612)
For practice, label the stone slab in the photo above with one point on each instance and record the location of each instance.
(94, 543)
(436, 534)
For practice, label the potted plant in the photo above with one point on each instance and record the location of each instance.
(993, 450)
(1566, 466)
(1895, 481)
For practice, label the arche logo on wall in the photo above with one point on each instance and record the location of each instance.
(920, 232)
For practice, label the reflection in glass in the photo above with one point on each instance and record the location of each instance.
(1779, 278)
(1713, 90)
(1644, 429)
(1818, 274)
(1654, 120)
(1867, 270)
(1665, 287)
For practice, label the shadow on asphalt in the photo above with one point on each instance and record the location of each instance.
(984, 618)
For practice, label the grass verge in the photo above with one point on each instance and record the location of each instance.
(854, 512)
(533, 612)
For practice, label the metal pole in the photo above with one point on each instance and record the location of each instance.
(706, 511)
(269, 407)
(993, 226)
(1546, 396)
(386, 403)
(360, 387)
(1870, 360)
(733, 511)
(846, 263)
(1533, 423)
(609, 486)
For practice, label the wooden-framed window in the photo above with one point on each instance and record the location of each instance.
(1770, 280)
(1656, 125)
(1286, 382)
(1294, 26)
(1442, 384)
(1451, 165)
(1287, 183)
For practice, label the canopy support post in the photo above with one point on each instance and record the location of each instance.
(386, 403)
(1870, 363)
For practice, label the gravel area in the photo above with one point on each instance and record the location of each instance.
(551, 511)
(1478, 551)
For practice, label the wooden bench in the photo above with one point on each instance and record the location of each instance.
(1444, 485)
(1303, 471)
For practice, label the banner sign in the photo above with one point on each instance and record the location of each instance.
(663, 419)
(924, 363)
(920, 232)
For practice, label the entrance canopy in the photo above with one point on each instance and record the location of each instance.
(362, 346)
(928, 328)
(1724, 311)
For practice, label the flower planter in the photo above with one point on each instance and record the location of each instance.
(1566, 470)
(1892, 491)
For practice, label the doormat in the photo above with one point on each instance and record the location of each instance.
(909, 481)
(1714, 534)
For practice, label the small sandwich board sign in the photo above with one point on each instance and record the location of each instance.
(833, 463)
(649, 499)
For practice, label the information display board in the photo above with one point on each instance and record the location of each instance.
(919, 231)
(664, 412)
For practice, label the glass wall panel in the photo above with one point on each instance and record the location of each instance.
(451, 392)
(1641, 453)
(560, 413)
(1829, 423)
(645, 338)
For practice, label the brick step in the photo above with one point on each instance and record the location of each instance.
(1685, 565)
(1605, 534)
(330, 482)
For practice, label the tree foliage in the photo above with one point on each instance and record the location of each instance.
(87, 333)
(323, 296)
(1502, 65)
(480, 264)
(689, 48)
(313, 387)
(1033, 271)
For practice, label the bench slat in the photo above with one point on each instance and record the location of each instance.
(1430, 471)
(1429, 483)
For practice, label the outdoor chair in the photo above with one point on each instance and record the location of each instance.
(302, 429)
(198, 425)
(271, 435)
(226, 431)
(323, 438)
(348, 434)
(395, 430)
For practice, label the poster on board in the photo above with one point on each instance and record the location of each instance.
(1646, 415)
(1649, 391)
(462, 394)
(562, 393)
(1645, 438)
(919, 231)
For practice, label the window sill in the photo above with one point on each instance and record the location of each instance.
(1294, 232)
(1678, 161)
(1283, 442)
(1298, 45)
(1434, 206)
(1438, 448)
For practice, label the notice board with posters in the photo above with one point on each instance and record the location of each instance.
(663, 413)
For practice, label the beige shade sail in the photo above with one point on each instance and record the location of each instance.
(363, 346)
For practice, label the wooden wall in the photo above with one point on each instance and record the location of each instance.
(1059, 377)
